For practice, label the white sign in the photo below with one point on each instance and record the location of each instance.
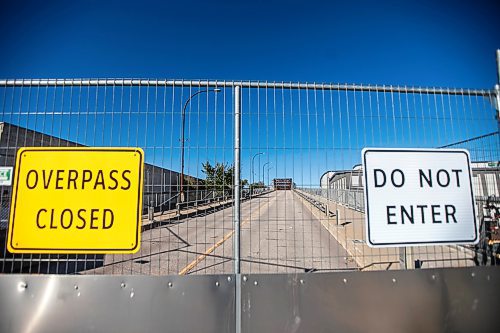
(6, 176)
(418, 197)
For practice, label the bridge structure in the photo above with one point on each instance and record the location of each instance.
(220, 253)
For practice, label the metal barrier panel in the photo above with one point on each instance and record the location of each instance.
(117, 303)
(313, 136)
(301, 207)
(444, 300)
(186, 132)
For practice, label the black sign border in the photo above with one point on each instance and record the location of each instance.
(367, 219)
(66, 250)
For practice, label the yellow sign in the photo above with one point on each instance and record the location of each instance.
(76, 200)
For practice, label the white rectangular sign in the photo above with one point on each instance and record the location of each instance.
(6, 176)
(418, 197)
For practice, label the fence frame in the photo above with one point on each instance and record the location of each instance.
(237, 86)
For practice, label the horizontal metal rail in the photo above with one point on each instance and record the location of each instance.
(469, 140)
(243, 84)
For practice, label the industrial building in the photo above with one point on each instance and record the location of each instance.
(346, 179)
(485, 179)
(346, 186)
(160, 184)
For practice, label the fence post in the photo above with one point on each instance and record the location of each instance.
(151, 212)
(497, 89)
(237, 173)
(237, 207)
(498, 66)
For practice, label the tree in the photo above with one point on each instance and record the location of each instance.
(257, 185)
(219, 177)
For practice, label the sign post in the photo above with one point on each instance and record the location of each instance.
(76, 200)
(418, 197)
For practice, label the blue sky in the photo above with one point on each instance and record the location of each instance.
(419, 43)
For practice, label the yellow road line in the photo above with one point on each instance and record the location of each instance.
(201, 257)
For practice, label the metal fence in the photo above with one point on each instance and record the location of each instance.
(212, 150)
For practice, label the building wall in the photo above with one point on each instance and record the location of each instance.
(346, 180)
(325, 178)
(160, 185)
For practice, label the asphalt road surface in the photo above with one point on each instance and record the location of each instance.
(279, 234)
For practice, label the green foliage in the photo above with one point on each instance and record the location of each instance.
(257, 185)
(219, 177)
(244, 182)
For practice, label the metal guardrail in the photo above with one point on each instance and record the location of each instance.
(350, 198)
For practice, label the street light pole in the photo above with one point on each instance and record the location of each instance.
(252, 173)
(268, 175)
(183, 121)
(263, 173)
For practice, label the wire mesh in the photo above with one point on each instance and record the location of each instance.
(302, 206)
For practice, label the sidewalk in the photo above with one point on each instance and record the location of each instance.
(350, 232)
(173, 215)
